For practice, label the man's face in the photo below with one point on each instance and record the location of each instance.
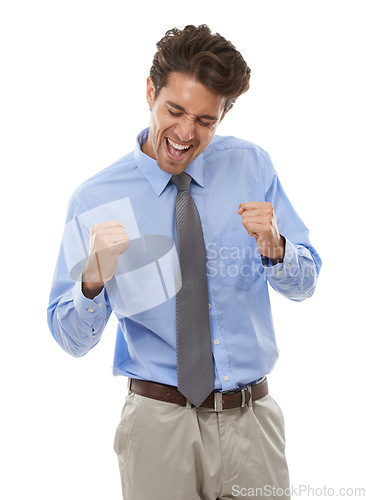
(184, 117)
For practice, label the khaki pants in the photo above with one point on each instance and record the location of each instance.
(169, 452)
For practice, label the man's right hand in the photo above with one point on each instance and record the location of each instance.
(107, 242)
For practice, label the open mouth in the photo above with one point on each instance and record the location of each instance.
(176, 150)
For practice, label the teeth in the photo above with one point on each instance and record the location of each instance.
(177, 146)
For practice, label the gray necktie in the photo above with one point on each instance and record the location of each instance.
(194, 348)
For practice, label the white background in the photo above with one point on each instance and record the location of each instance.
(72, 102)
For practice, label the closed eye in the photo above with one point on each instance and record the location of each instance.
(174, 114)
(205, 124)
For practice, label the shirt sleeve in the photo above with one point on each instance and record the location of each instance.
(75, 321)
(297, 275)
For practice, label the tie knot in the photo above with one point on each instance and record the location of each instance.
(182, 181)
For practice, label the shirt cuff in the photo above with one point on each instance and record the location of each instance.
(89, 310)
(290, 260)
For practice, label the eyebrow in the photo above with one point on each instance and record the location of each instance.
(180, 108)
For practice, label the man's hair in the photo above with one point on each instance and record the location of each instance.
(209, 58)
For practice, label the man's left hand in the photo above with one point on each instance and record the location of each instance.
(259, 220)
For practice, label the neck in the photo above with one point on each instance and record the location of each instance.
(147, 148)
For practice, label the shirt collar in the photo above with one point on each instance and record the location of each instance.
(157, 178)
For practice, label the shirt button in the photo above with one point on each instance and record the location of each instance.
(91, 310)
(226, 378)
(280, 271)
(100, 304)
(288, 267)
(216, 342)
(209, 306)
(93, 336)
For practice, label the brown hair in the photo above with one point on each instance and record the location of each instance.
(209, 58)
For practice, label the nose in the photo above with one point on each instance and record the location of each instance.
(185, 130)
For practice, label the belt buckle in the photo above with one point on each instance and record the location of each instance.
(218, 401)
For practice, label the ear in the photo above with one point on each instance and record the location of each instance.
(150, 92)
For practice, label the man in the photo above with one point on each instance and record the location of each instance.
(184, 262)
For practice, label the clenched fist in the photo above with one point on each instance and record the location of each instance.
(107, 242)
(259, 220)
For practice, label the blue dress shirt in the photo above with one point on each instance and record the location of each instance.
(137, 193)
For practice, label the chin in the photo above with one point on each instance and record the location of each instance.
(172, 167)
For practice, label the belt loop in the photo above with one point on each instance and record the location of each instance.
(247, 389)
(218, 401)
(129, 383)
(242, 397)
(250, 400)
(188, 404)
